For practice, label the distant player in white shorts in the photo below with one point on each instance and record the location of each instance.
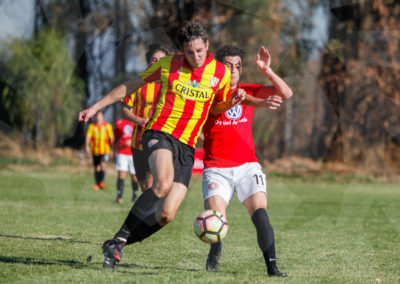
(124, 162)
(230, 162)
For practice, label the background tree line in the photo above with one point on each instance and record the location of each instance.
(346, 95)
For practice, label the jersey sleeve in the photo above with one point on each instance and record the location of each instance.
(222, 93)
(110, 131)
(263, 92)
(153, 73)
(89, 132)
(128, 100)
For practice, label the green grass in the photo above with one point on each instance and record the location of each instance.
(325, 233)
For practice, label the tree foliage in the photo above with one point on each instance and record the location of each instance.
(49, 95)
(361, 80)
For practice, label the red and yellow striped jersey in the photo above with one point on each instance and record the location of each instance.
(142, 104)
(100, 137)
(186, 95)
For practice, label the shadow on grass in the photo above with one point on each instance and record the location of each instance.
(128, 265)
(40, 261)
(45, 239)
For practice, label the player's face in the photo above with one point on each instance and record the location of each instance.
(100, 118)
(157, 56)
(196, 52)
(234, 63)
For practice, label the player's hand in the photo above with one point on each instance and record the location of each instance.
(237, 97)
(86, 114)
(143, 122)
(263, 60)
(273, 102)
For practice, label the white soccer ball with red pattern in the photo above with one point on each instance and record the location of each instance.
(211, 226)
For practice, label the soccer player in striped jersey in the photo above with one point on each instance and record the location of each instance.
(99, 138)
(229, 155)
(191, 83)
(138, 108)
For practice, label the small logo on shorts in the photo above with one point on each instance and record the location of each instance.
(213, 185)
(151, 143)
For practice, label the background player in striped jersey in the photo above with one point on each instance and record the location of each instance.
(138, 108)
(124, 163)
(229, 155)
(99, 138)
(191, 83)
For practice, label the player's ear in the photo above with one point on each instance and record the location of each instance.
(207, 44)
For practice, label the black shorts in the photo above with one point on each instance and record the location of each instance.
(183, 155)
(97, 159)
(141, 164)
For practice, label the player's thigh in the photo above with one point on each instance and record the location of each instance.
(171, 203)
(251, 180)
(162, 167)
(255, 201)
(217, 182)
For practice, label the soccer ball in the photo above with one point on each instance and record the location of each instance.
(211, 226)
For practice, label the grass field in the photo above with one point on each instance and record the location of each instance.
(325, 233)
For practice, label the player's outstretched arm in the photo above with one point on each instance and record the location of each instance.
(115, 95)
(129, 115)
(272, 102)
(234, 99)
(264, 65)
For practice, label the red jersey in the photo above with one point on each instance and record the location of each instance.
(186, 95)
(228, 137)
(123, 135)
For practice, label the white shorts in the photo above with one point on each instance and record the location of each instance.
(124, 163)
(245, 180)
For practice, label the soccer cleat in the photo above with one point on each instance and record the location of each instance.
(112, 250)
(119, 200)
(134, 197)
(102, 185)
(214, 254)
(274, 271)
(96, 187)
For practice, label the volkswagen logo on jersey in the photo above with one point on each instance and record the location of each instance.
(234, 113)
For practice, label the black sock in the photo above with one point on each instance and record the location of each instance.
(141, 214)
(265, 236)
(120, 187)
(101, 175)
(143, 230)
(97, 177)
(135, 187)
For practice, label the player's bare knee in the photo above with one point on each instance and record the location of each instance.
(162, 188)
(166, 217)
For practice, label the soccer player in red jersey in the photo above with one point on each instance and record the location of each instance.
(138, 108)
(99, 139)
(229, 155)
(191, 83)
(124, 163)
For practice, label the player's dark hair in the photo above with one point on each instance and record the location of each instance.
(191, 31)
(155, 47)
(229, 50)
